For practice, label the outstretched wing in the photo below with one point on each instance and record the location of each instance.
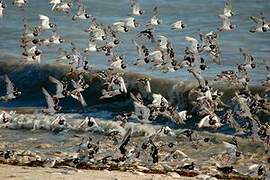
(49, 98)
(59, 85)
(10, 85)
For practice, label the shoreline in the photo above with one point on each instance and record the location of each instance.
(40, 173)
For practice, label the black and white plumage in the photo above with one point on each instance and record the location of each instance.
(52, 103)
(12, 92)
(2, 9)
(261, 24)
(61, 88)
(81, 14)
(136, 8)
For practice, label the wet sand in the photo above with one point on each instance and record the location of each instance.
(34, 173)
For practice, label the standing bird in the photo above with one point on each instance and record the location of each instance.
(12, 92)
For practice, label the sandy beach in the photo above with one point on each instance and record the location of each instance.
(34, 173)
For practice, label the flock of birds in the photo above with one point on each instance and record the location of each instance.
(206, 101)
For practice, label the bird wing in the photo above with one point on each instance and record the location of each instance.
(49, 98)
(43, 17)
(176, 24)
(81, 10)
(257, 20)
(198, 76)
(204, 121)
(225, 21)
(9, 86)
(123, 87)
(59, 85)
(194, 43)
(135, 6)
(82, 100)
(227, 8)
(139, 49)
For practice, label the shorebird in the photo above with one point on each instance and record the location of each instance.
(79, 85)
(6, 118)
(120, 27)
(148, 32)
(261, 24)
(92, 46)
(232, 148)
(45, 23)
(19, 3)
(131, 22)
(210, 120)
(12, 92)
(64, 55)
(29, 32)
(194, 48)
(142, 112)
(117, 63)
(78, 61)
(81, 14)
(226, 24)
(228, 11)
(178, 25)
(52, 103)
(249, 61)
(258, 169)
(64, 7)
(2, 8)
(61, 88)
(79, 97)
(155, 19)
(136, 8)
(59, 124)
(88, 124)
(143, 54)
(114, 85)
(54, 39)
(55, 3)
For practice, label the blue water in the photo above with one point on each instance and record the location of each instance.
(197, 14)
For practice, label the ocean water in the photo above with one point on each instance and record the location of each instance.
(198, 14)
